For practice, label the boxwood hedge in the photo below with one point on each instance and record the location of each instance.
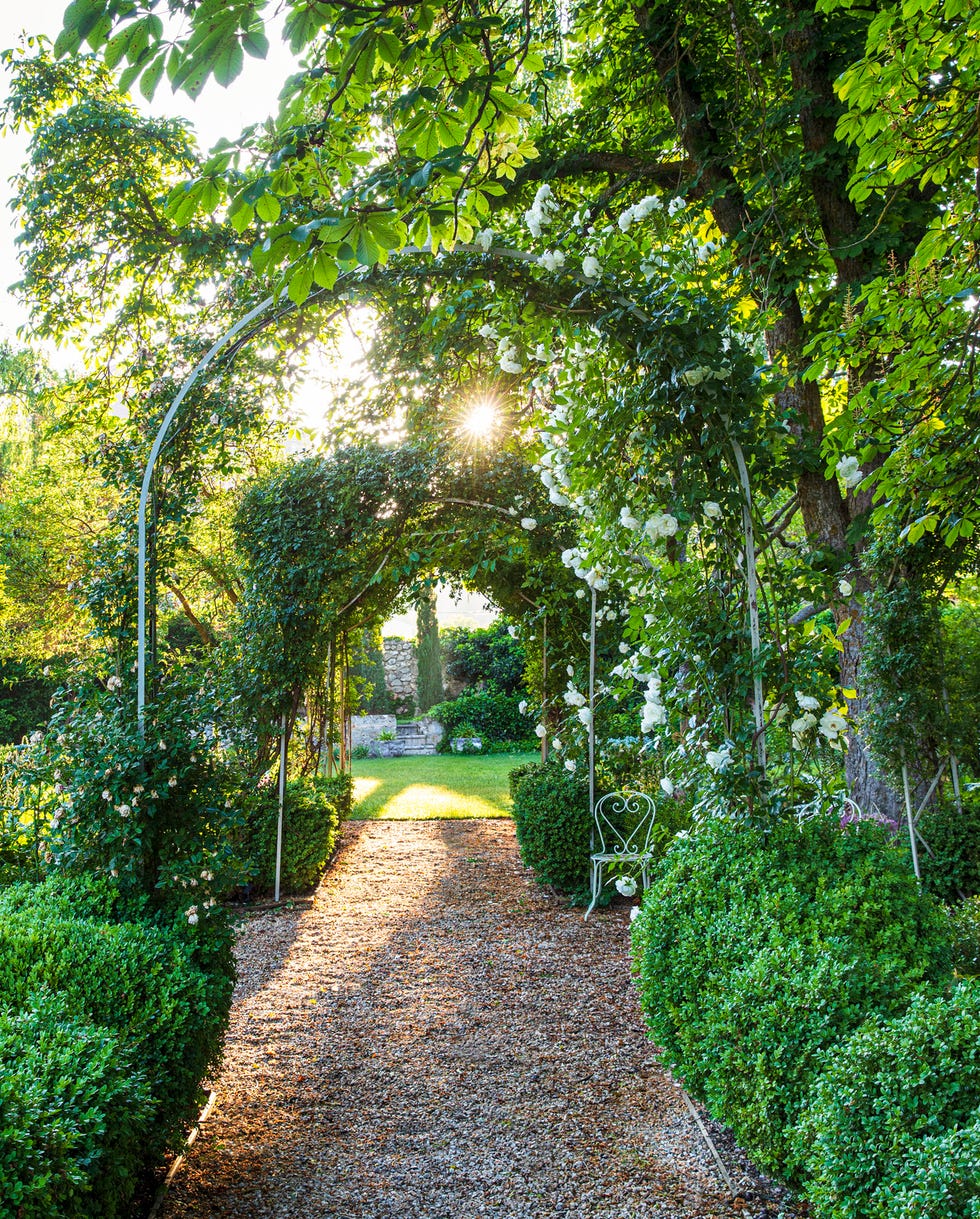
(759, 948)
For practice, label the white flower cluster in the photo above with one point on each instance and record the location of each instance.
(507, 355)
(595, 577)
(552, 260)
(654, 711)
(541, 212)
(591, 267)
(831, 724)
(660, 525)
(114, 683)
(573, 697)
(719, 760)
(639, 211)
(484, 240)
(849, 472)
(704, 372)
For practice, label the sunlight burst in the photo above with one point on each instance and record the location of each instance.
(480, 420)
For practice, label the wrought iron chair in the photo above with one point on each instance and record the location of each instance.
(622, 832)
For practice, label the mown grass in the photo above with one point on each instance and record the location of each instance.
(443, 786)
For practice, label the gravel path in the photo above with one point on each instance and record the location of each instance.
(438, 1038)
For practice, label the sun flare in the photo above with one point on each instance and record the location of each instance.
(480, 420)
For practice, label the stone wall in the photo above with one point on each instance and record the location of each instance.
(401, 669)
(365, 728)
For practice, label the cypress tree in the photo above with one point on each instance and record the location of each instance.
(429, 654)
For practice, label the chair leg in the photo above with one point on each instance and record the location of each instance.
(596, 887)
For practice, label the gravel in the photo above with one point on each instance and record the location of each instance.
(439, 1037)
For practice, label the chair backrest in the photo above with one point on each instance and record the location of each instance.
(623, 824)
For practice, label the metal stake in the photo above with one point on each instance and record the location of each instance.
(282, 801)
(592, 634)
(911, 821)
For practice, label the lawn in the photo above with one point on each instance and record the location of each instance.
(423, 789)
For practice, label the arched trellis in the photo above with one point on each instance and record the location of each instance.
(256, 313)
(267, 304)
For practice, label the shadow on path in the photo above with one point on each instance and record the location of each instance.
(446, 1041)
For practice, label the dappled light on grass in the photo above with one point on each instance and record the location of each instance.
(424, 788)
(364, 787)
(424, 801)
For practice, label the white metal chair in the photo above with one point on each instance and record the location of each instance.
(622, 832)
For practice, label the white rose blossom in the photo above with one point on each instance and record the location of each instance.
(832, 724)
(719, 760)
(552, 260)
(849, 472)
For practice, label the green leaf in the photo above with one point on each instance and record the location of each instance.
(325, 269)
(151, 76)
(300, 283)
(256, 43)
(367, 251)
(228, 64)
(268, 209)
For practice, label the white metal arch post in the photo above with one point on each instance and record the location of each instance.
(145, 499)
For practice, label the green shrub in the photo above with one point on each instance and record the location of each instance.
(515, 776)
(25, 698)
(965, 922)
(311, 820)
(551, 815)
(892, 1123)
(76, 1112)
(941, 1178)
(757, 949)
(953, 868)
(526, 745)
(485, 654)
(141, 981)
(495, 717)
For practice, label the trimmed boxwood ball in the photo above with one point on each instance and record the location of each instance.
(76, 1110)
(312, 815)
(551, 816)
(892, 1130)
(758, 948)
(165, 991)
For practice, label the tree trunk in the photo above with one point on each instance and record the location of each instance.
(827, 513)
